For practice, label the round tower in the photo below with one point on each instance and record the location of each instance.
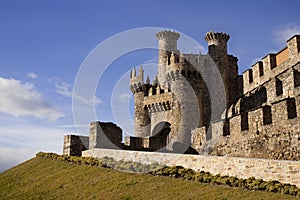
(217, 49)
(167, 43)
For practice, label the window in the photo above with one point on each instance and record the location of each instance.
(278, 85)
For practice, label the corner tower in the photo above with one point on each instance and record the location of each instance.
(167, 43)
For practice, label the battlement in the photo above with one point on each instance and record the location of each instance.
(269, 131)
(216, 38)
(137, 80)
(158, 102)
(272, 65)
(167, 35)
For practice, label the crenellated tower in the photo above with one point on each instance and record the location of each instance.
(167, 43)
(141, 114)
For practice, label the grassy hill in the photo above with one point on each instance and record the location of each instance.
(41, 178)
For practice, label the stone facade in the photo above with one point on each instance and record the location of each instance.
(186, 88)
(255, 114)
(199, 103)
(75, 144)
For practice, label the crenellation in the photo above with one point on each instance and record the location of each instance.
(293, 45)
(174, 113)
(257, 72)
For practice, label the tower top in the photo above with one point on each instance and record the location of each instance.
(164, 35)
(216, 38)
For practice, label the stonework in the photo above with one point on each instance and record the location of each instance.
(199, 103)
(75, 144)
(105, 135)
(281, 170)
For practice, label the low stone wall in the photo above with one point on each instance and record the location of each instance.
(281, 170)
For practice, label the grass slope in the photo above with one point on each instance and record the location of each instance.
(41, 178)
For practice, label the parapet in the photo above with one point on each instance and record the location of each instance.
(272, 65)
(167, 35)
(216, 38)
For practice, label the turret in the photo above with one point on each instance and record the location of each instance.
(217, 49)
(167, 43)
(140, 90)
(137, 80)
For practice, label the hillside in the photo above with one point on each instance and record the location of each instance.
(41, 178)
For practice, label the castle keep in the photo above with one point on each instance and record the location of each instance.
(200, 104)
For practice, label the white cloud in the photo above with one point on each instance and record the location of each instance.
(32, 75)
(19, 143)
(124, 97)
(152, 60)
(64, 90)
(283, 33)
(21, 99)
(10, 157)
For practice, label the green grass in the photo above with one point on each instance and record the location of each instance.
(41, 178)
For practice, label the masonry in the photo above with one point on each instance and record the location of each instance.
(245, 125)
(283, 171)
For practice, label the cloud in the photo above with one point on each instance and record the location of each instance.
(32, 75)
(283, 33)
(21, 99)
(124, 97)
(10, 157)
(63, 89)
(152, 60)
(19, 143)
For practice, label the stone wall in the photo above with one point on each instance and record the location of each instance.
(283, 171)
(105, 135)
(75, 144)
(266, 132)
(272, 65)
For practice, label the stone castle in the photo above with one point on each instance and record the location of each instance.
(200, 104)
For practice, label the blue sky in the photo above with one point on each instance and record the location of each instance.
(44, 43)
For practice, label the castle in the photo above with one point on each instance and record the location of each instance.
(200, 104)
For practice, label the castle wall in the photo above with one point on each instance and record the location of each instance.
(105, 135)
(267, 132)
(281, 170)
(75, 144)
(272, 65)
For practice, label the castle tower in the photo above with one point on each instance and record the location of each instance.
(217, 49)
(167, 43)
(139, 90)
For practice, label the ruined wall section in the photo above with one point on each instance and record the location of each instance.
(75, 144)
(105, 135)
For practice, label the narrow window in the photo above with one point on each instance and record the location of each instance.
(296, 78)
(250, 76)
(278, 85)
(291, 108)
(267, 115)
(244, 121)
(261, 69)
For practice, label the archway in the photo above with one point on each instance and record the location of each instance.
(160, 136)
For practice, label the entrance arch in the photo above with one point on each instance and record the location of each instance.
(160, 136)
